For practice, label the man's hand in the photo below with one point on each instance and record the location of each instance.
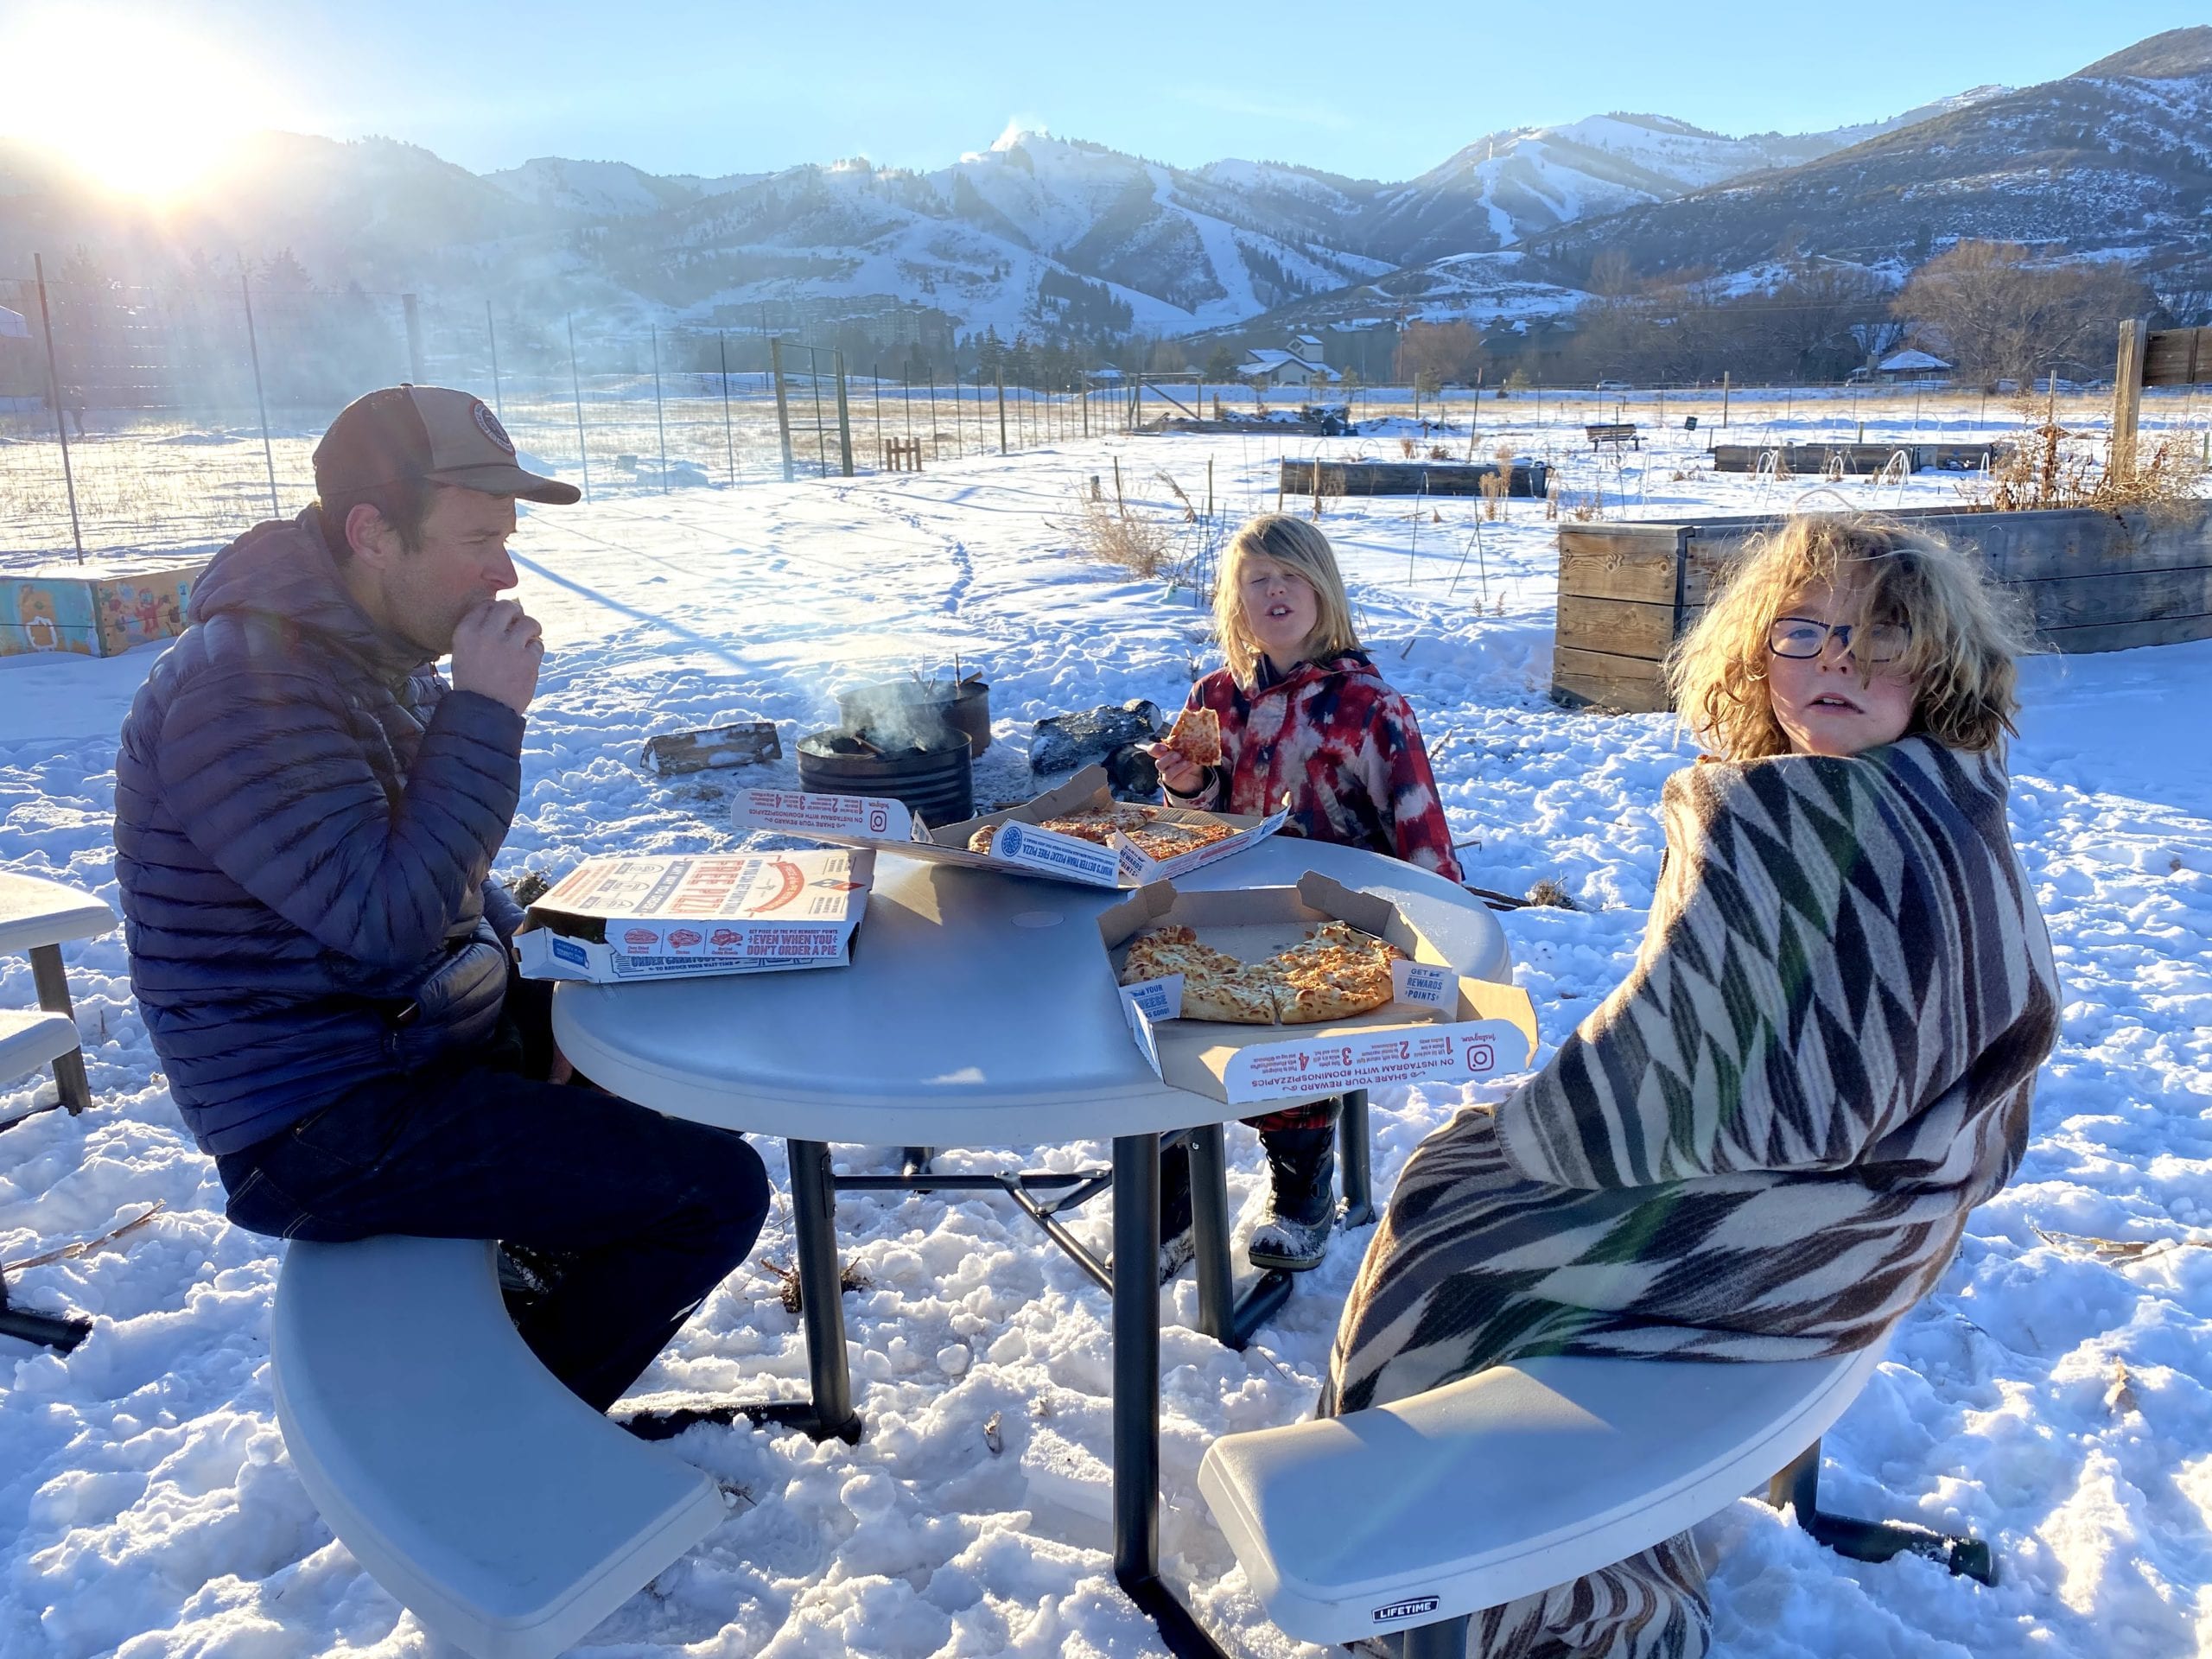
(1176, 770)
(496, 652)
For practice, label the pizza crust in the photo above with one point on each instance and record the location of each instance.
(1334, 973)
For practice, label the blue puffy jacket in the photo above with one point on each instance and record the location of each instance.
(304, 819)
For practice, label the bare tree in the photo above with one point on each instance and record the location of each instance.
(2003, 313)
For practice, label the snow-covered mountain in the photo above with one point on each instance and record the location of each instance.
(1503, 188)
(1035, 233)
(2115, 159)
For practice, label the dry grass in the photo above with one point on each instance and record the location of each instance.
(1139, 544)
(2050, 467)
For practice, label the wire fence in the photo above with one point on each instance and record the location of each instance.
(161, 420)
(142, 419)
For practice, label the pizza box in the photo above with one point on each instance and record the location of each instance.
(1443, 1027)
(874, 822)
(617, 918)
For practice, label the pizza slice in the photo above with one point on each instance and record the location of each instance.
(1196, 736)
(1335, 973)
(1215, 985)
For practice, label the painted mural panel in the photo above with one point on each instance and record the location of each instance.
(93, 616)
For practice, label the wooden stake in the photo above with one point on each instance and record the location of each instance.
(2126, 400)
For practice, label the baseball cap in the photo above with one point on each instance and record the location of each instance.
(426, 432)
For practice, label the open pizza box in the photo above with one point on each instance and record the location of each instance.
(1442, 1027)
(617, 919)
(1019, 848)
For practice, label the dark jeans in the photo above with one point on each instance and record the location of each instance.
(648, 1213)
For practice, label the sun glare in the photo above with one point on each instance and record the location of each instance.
(131, 102)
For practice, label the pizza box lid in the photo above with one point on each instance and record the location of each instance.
(1443, 1026)
(875, 822)
(621, 917)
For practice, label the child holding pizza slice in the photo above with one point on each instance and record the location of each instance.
(1302, 715)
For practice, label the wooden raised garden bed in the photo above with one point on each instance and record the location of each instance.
(93, 611)
(1529, 478)
(2092, 582)
(1813, 459)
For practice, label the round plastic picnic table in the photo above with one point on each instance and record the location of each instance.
(979, 1010)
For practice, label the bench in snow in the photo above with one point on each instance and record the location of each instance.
(29, 1041)
(1413, 1516)
(504, 1512)
(1616, 434)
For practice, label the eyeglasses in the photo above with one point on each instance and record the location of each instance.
(1801, 637)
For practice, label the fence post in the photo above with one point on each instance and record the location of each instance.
(1724, 398)
(998, 378)
(936, 444)
(844, 415)
(729, 436)
(60, 420)
(660, 420)
(498, 404)
(576, 388)
(2127, 399)
(253, 347)
(414, 337)
(782, 404)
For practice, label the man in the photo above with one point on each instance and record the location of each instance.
(306, 816)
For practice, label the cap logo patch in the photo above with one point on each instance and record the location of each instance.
(488, 424)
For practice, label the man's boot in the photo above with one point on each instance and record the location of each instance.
(1302, 1206)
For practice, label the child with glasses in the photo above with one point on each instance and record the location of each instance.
(1763, 1144)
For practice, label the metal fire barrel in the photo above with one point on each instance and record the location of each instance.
(934, 776)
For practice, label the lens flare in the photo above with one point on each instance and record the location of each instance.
(135, 104)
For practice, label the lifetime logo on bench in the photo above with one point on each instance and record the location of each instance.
(1412, 1607)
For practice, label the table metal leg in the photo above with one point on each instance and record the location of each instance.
(1352, 1148)
(1136, 1397)
(814, 1213)
(51, 984)
(1221, 1315)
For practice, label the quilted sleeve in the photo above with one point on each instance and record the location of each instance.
(264, 774)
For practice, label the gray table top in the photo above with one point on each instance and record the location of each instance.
(979, 1010)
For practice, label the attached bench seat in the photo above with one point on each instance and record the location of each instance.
(504, 1512)
(30, 1038)
(1517, 1478)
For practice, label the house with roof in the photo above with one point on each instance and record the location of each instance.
(1298, 364)
(1911, 364)
(22, 374)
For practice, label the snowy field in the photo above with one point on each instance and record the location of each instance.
(149, 485)
(2052, 1395)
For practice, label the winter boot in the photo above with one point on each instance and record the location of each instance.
(1302, 1206)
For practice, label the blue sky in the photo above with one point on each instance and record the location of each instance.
(1377, 92)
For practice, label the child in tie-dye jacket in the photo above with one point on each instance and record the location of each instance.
(1305, 720)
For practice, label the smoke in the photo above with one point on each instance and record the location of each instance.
(898, 714)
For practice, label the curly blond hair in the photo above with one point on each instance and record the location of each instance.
(1965, 633)
(1296, 545)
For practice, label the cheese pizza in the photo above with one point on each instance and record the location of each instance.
(1334, 973)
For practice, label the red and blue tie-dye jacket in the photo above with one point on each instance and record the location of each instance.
(1342, 745)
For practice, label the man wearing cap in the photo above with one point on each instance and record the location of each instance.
(305, 817)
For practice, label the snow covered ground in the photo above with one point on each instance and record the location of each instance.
(2052, 1395)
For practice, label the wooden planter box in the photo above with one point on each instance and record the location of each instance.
(2091, 580)
(1528, 480)
(93, 613)
(1811, 460)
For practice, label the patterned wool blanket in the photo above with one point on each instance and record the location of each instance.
(1763, 1144)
